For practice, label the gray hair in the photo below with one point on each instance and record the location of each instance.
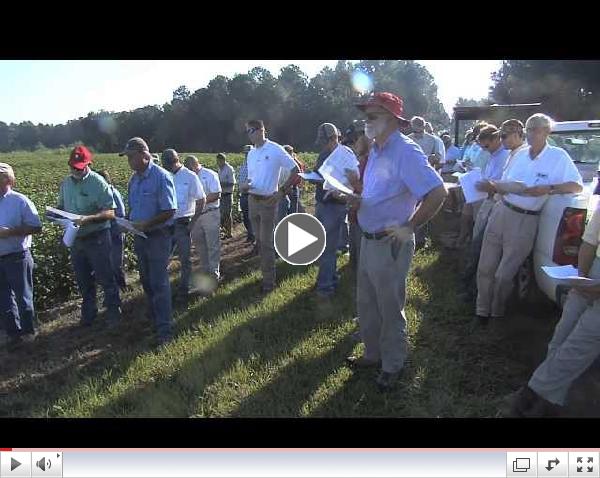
(540, 120)
(7, 170)
(189, 160)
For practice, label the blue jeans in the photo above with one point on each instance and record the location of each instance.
(16, 293)
(182, 240)
(344, 237)
(331, 215)
(246, 216)
(91, 259)
(116, 238)
(153, 259)
(295, 204)
(282, 209)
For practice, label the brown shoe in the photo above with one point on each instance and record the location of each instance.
(361, 362)
(529, 404)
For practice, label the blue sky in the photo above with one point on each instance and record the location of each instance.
(55, 91)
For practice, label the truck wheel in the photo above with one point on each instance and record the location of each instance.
(527, 290)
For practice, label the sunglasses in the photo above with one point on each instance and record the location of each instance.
(374, 116)
(251, 130)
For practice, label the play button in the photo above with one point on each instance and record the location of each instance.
(14, 464)
(300, 239)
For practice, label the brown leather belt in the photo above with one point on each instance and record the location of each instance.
(260, 198)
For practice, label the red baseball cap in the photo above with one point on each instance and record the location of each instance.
(80, 157)
(388, 101)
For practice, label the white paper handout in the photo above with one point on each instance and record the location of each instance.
(128, 226)
(70, 234)
(334, 169)
(514, 187)
(60, 221)
(65, 214)
(311, 177)
(569, 275)
(467, 182)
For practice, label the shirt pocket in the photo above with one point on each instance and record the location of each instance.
(84, 203)
(182, 193)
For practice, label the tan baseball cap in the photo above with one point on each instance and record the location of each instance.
(134, 145)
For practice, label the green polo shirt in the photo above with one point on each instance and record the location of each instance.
(88, 196)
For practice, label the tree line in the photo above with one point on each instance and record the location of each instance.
(292, 105)
(212, 118)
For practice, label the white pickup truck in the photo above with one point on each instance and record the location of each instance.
(564, 217)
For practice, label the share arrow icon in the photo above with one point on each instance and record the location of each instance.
(550, 467)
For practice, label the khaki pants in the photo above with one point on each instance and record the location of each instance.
(381, 299)
(484, 210)
(207, 241)
(508, 240)
(573, 348)
(262, 216)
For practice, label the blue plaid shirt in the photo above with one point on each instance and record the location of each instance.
(243, 172)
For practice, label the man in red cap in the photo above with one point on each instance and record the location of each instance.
(396, 179)
(87, 194)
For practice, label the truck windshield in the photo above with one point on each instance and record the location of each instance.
(584, 148)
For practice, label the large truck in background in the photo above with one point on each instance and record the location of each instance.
(564, 217)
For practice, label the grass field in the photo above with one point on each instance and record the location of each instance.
(239, 353)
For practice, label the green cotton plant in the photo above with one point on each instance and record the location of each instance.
(39, 175)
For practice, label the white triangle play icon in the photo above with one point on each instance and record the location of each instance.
(298, 239)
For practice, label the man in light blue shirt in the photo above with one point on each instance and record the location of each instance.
(452, 154)
(18, 221)
(152, 206)
(397, 177)
(489, 140)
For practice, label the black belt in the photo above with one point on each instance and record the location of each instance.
(183, 221)
(13, 255)
(378, 235)
(91, 235)
(226, 194)
(331, 200)
(519, 210)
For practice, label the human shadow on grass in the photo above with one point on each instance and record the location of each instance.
(261, 339)
(452, 369)
(294, 385)
(62, 359)
(469, 368)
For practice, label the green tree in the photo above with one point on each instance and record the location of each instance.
(568, 90)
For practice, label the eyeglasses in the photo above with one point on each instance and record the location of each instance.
(251, 130)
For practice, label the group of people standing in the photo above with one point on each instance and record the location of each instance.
(397, 189)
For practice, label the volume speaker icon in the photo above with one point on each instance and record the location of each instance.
(43, 464)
